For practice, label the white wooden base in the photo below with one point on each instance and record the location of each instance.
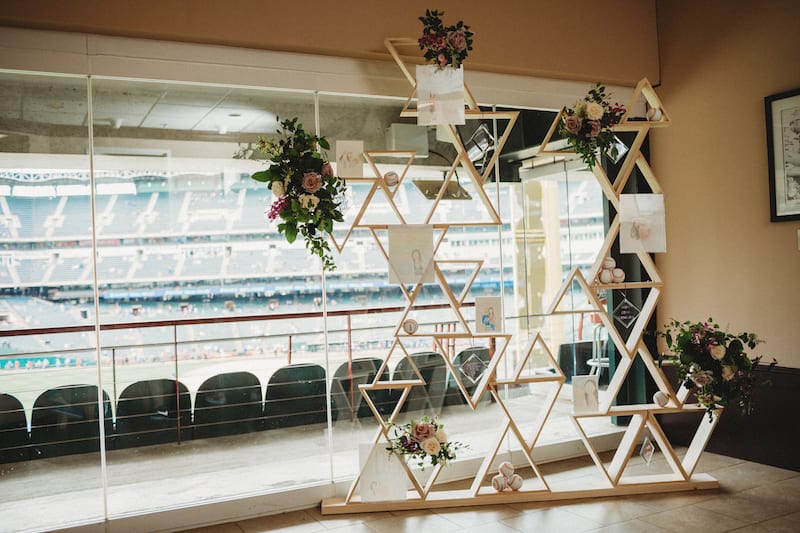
(487, 496)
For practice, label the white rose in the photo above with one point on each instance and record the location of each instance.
(431, 446)
(278, 189)
(441, 436)
(728, 372)
(594, 111)
(309, 201)
(717, 351)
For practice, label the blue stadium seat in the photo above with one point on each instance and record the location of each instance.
(430, 397)
(147, 413)
(345, 392)
(13, 430)
(65, 421)
(227, 404)
(296, 396)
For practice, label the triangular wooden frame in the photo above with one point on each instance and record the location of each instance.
(473, 400)
(645, 89)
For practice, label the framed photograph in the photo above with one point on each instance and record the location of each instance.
(349, 163)
(488, 314)
(783, 154)
(440, 95)
(411, 254)
(642, 223)
(585, 394)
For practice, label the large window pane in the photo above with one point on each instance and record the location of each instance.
(50, 427)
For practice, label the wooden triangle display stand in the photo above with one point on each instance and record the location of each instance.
(614, 481)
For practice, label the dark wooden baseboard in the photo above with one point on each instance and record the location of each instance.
(770, 435)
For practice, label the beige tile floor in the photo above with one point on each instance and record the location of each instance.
(752, 497)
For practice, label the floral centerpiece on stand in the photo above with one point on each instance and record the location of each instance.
(422, 439)
(587, 125)
(444, 45)
(307, 194)
(714, 364)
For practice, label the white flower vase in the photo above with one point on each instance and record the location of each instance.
(440, 95)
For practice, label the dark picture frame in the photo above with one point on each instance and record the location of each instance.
(783, 154)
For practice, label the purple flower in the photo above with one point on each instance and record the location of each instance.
(277, 206)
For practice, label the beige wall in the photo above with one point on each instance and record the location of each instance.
(564, 39)
(725, 259)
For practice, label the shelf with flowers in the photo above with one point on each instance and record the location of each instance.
(713, 364)
(307, 194)
(423, 440)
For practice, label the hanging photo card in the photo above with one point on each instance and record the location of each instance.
(440, 95)
(349, 159)
(411, 254)
(488, 314)
(585, 394)
(647, 450)
(642, 223)
(382, 476)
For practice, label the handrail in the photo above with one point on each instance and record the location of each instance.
(217, 320)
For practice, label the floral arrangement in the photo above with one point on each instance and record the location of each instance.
(444, 45)
(422, 439)
(713, 363)
(307, 194)
(587, 125)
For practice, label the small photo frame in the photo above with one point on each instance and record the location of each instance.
(642, 223)
(382, 476)
(585, 394)
(411, 254)
(783, 154)
(488, 314)
(349, 160)
(440, 95)
(647, 450)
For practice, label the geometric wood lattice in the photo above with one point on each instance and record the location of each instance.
(615, 478)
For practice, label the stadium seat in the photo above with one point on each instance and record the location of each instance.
(296, 396)
(470, 365)
(147, 413)
(227, 404)
(344, 387)
(13, 430)
(65, 421)
(428, 398)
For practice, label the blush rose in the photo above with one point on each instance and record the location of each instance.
(312, 182)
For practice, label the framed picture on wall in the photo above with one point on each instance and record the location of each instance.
(783, 154)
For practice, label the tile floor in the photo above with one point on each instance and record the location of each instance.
(752, 497)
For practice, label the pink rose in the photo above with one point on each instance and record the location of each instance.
(457, 40)
(423, 431)
(595, 125)
(442, 60)
(312, 182)
(327, 170)
(702, 377)
(572, 124)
